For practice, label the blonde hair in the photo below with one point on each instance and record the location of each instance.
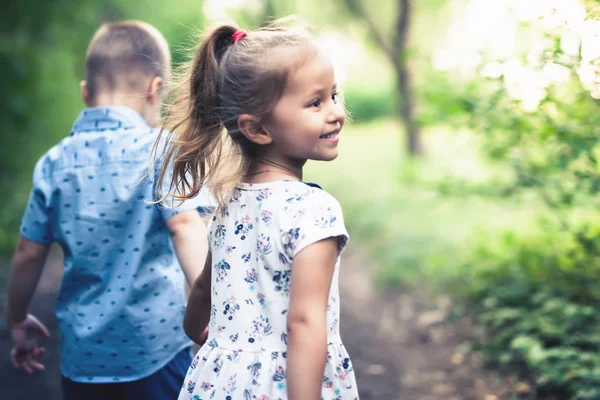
(224, 80)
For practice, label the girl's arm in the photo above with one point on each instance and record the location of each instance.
(197, 312)
(185, 229)
(312, 272)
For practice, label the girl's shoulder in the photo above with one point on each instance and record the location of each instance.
(300, 201)
(282, 200)
(307, 195)
(310, 214)
(283, 192)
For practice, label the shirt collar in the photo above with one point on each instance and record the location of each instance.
(96, 119)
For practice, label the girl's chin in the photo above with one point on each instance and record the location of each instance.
(330, 156)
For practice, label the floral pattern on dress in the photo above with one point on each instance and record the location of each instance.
(243, 227)
(222, 267)
(255, 371)
(263, 246)
(230, 306)
(290, 239)
(219, 236)
(253, 243)
(282, 280)
(266, 216)
(260, 328)
(263, 194)
(251, 279)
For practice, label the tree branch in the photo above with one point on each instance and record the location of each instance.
(356, 8)
(402, 22)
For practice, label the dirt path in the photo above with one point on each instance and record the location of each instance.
(400, 350)
(403, 350)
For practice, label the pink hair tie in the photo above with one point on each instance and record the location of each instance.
(238, 35)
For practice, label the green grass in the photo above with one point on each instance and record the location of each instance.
(394, 210)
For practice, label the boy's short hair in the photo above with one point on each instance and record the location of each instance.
(119, 51)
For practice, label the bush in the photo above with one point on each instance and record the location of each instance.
(368, 104)
(446, 100)
(536, 295)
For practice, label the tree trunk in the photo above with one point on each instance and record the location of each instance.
(395, 51)
(404, 97)
(403, 80)
(270, 12)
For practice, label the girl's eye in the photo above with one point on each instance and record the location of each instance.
(315, 103)
(334, 97)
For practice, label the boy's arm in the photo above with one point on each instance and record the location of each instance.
(313, 269)
(26, 268)
(197, 312)
(27, 264)
(189, 235)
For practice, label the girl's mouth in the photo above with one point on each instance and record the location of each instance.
(332, 135)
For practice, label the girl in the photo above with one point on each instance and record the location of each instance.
(263, 102)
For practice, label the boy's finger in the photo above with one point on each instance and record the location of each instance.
(13, 358)
(43, 331)
(26, 367)
(19, 358)
(37, 365)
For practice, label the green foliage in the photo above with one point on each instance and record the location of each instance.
(537, 297)
(366, 105)
(554, 150)
(36, 63)
(443, 100)
(392, 209)
(537, 293)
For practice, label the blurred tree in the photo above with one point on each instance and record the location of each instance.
(539, 108)
(394, 46)
(536, 292)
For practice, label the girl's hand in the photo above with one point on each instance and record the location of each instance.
(25, 350)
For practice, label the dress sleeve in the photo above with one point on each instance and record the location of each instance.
(318, 216)
(36, 223)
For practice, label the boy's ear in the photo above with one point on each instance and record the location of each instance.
(85, 93)
(253, 129)
(155, 90)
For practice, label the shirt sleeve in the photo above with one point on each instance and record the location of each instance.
(36, 223)
(203, 202)
(319, 216)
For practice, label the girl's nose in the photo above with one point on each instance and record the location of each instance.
(337, 114)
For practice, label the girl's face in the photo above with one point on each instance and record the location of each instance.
(306, 121)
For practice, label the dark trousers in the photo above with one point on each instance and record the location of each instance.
(164, 384)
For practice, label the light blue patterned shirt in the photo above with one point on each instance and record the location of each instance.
(121, 303)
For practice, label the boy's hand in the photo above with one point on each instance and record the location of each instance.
(25, 350)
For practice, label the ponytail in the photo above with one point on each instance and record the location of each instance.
(193, 126)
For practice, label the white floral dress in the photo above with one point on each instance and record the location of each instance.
(253, 242)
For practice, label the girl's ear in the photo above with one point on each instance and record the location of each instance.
(250, 127)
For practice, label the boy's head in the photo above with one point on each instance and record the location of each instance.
(126, 64)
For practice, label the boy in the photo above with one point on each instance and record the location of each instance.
(121, 303)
